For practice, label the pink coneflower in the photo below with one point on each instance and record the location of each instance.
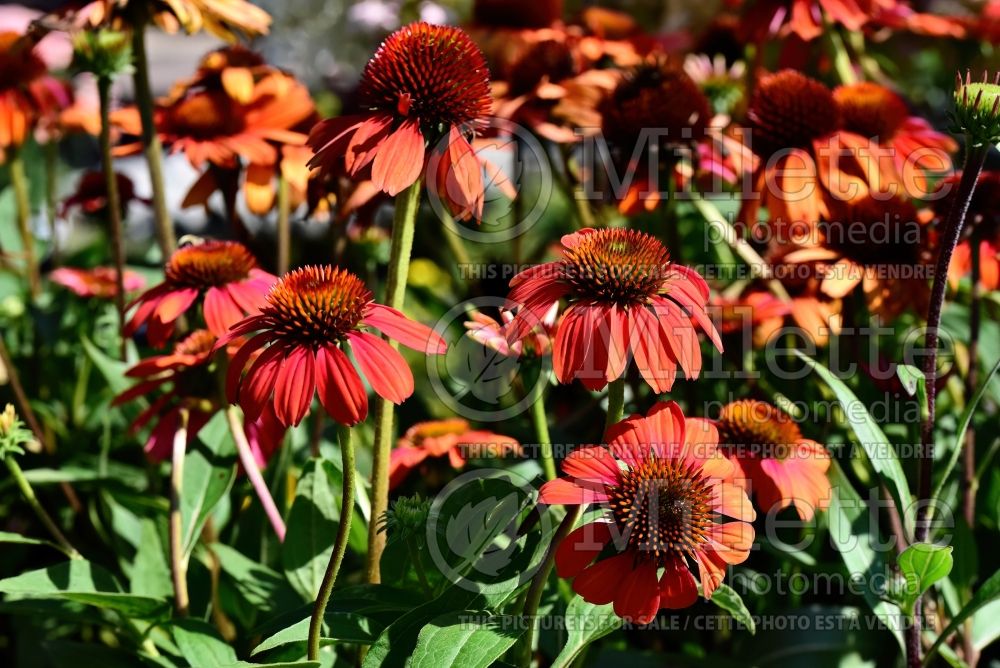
(223, 272)
(310, 316)
(624, 296)
(96, 283)
(425, 85)
(666, 488)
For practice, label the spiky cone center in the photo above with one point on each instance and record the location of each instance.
(206, 115)
(198, 342)
(753, 428)
(662, 509)
(877, 233)
(313, 305)
(657, 95)
(977, 109)
(616, 266)
(209, 264)
(790, 110)
(433, 74)
(871, 110)
(19, 64)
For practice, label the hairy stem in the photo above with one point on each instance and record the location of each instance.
(114, 204)
(22, 201)
(339, 548)
(403, 223)
(250, 466)
(541, 424)
(284, 227)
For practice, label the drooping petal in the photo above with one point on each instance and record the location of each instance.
(400, 159)
(294, 386)
(221, 312)
(678, 588)
(581, 547)
(600, 583)
(383, 366)
(638, 599)
(340, 389)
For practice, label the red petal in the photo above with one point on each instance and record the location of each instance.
(460, 178)
(678, 588)
(383, 366)
(653, 360)
(221, 312)
(594, 464)
(562, 491)
(410, 333)
(580, 548)
(256, 388)
(365, 143)
(600, 583)
(638, 599)
(294, 386)
(340, 389)
(400, 159)
(239, 361)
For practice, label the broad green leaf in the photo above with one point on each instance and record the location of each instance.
(209, 472)
(342, 627)
(150, 572)
(876, 445)
(16, 538)
(986, 625)
(259, 585)
(468, 639)
(201, 645)
(113, 370)
(729, 600)
(921, 565)
(83, 582)
(312, 527)
(283, 664)
(585, 623)
(988, 592)
(851, 534)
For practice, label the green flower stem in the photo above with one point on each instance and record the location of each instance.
(339, 548)
(178, 563)
(253, 473)
(616, 402)
(284, 226)
(51, 150)
(114, 207)
(541, 423)
(29, 495)
(151, 141)
(403, 223)
(22, 201)
(418, 564)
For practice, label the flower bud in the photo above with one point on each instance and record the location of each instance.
(104, 53)
(977, 109)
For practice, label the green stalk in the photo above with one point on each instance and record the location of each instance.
(51, 150)
(616, 402)
(403, 223)
(22, 200)
(339, 548)
(178, 562)
(541, 423)
(114, 204)
(151, 141)
(29, 495)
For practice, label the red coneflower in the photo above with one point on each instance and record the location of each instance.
(309, 316)
(873, 111)
(624, 296)
(784, 468)
(804, 18)
(186, 373)
(223, 272)
(91, 195)
(425, 85)
(666, 487)
(808, 162)
(99, 282)
(452, 438)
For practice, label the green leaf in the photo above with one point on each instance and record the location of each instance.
(988, 592)
(874, 442)
(468, 639)
(585, 623)
(83, 582)
(209, 472)
(921, 564)
(342, 627)
(312, 527)
(729, 600)
(850, 533)
(16, 538)
(201, 645)
(113, 370)
(259, 585)
(150, 572)
(283, 664)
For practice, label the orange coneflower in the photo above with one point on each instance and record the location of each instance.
(224, 273)
(625, 298)
(310, 316)
(189, 384)
(226, 19)
(784, 469)
(919, 151)
(882, 245)
(96, 283)
(667, 488)
(425, 86)
(453, 439)
(25, 90)
(764, 19)
(808, 163)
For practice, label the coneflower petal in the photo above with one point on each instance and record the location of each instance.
(400, 159)
(340, 389)
(383, 366)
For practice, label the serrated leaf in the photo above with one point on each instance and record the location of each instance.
(585, 623)
(729, 600)
(468, 639)
(83, 582)
(201, 645)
